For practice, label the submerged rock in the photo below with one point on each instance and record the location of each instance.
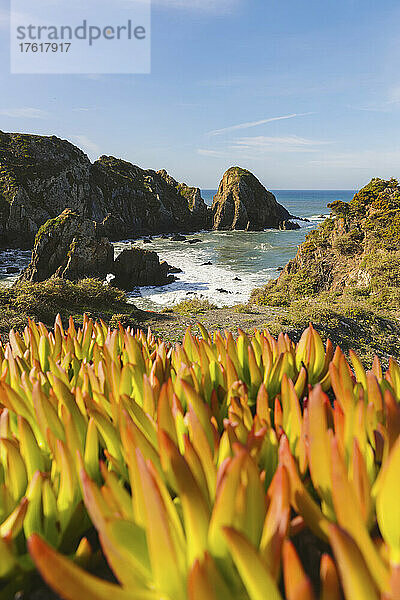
(242, 202)
(288, 226)
(137, 267)
(172, 269)
(69, 247)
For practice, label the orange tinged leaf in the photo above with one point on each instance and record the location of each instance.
(300, 499)
(255, 576)
(329, 579)
(72, 582)
(277, 521)
(297, 584)
(319, 455)
(356, 578)
(349, 518)
(163, 552)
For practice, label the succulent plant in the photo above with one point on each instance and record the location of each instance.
(203, 467)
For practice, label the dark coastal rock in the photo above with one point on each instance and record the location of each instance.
(178, 238)
(288, 226)
(12, 270)
(147, 201)
(200, 213)
(242, 202)
(172, 269)
(69, 247)
(137, 267)
(41, 176)
(195, 241)
(206, 264)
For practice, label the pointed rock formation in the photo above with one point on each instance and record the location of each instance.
(242, 202)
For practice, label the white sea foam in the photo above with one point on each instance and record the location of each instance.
(221, 284)
(240, 261)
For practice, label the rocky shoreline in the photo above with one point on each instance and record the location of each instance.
(42, 176)
(345, 277)
(70, 210)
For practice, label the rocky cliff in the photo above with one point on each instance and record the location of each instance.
(346, 275)
(359, 239)
(242, 202)
(73, 247)
(70, 247)
(41, 176)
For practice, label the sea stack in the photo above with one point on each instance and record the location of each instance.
(242, 202)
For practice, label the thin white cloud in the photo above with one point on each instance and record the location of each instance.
(24, 113)
(258, 146)
(389, 104)
(84, 109)
(290, 142)
(86, 144)
(256, 123)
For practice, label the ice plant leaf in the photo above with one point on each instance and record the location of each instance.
(196, 513)
(277, 521)
(258, 581)
(356, 578)
(329, 579)
(319, 448)
(388, 504)
(349, 518)
(300, 499)
(297, 584)
(72, 582)
(162, 548)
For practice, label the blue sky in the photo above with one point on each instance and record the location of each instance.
(304, 93)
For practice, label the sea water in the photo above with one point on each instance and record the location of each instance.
(240, 261)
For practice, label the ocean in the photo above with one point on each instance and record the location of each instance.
(240, 261)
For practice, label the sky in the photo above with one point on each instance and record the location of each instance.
(304, 93)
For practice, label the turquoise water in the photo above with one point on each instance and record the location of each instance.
(240, 261)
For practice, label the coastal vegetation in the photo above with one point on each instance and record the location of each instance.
(42, 301)
(232, 464)
(345, 277)
(195, 306)
(211, 469)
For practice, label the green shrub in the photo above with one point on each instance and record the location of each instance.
(194, 306)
